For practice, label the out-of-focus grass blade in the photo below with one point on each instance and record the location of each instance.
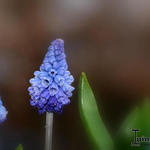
(91, 118)
(139, 119)
(19, 147)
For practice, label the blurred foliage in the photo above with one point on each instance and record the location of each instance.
(97, 133)
(139, 119)
(19, 147)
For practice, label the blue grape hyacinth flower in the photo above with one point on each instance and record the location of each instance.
(51, 88)
(3, 112)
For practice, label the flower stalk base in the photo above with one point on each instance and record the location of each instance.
(49, 131)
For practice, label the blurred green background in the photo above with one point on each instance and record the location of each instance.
(109, 40)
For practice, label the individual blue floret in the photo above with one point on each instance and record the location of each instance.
(51, 88)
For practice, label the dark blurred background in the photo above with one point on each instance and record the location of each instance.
(109, 40)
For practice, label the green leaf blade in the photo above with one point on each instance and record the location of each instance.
(91, 118)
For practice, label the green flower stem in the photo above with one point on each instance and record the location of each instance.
(49, 131)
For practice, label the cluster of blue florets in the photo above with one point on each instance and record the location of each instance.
(51, 86)
(3, 112)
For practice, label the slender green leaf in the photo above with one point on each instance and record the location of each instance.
(91, 119)
(139, 119)
(19, 147)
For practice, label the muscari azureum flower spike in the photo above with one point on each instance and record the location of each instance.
(51, 87)
(3, 112)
